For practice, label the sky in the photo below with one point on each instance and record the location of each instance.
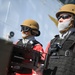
(14, 12)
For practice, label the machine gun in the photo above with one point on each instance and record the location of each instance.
(23, 58)
(14, 57)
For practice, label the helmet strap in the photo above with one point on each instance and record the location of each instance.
(74, 20)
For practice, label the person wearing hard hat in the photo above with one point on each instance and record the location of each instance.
(60, 59)
(29, 30)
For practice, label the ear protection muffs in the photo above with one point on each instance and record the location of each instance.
(35, 32)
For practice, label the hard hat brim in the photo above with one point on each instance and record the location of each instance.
(58, 13)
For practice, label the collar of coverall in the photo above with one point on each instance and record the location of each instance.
(30, 38)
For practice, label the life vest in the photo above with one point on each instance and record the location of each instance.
(61, 56)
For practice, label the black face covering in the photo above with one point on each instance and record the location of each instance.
(25, 28)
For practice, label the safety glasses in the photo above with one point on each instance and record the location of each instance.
(65, 16)
(25, 28)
